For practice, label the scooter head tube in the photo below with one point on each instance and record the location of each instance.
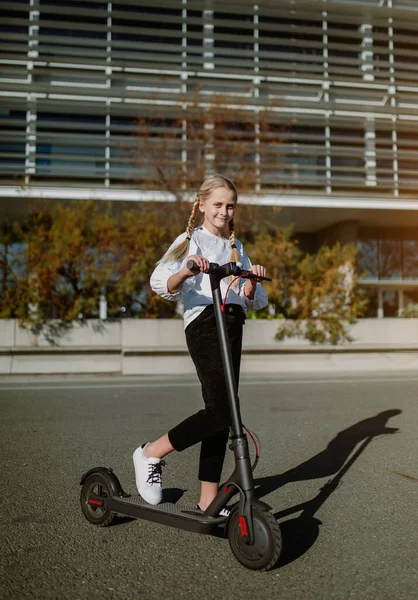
(217, 273)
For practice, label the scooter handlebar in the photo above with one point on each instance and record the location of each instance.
(222, 271)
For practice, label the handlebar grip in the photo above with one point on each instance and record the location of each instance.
(214, 268)
(192, 266)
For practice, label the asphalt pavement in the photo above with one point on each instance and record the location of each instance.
(338, 465)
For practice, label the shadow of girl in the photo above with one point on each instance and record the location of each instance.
(300, 533)
(332, 458)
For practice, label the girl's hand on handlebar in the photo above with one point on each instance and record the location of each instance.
(200, 261)
(257, 270)
(251, 284)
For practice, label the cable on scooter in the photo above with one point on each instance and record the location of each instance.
(244, 275)
(254, 437)
(227, 292)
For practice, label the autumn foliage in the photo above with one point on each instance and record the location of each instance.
(57, 264)
(11, 238)
(71, 255)
(315, 295)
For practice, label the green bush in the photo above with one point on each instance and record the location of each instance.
(410, 312)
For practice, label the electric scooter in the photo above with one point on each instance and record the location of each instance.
(253, 532)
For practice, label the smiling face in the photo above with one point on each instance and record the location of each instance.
(218, 211)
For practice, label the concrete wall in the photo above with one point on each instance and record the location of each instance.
(157, 346)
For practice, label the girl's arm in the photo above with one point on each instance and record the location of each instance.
(250, 286)
(175, 282)
(253, 293)
(164, 271)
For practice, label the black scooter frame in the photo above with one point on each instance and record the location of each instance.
(240, 481)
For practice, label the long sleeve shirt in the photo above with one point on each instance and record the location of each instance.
(196, 291)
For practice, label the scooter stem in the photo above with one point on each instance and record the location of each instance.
(231, 385)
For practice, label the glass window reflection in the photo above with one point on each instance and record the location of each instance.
(388, 254)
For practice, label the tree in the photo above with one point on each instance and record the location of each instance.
(410, 312)
(66, 265)
(204, 134)
(316, 295)
(72, 254)
(280, 254)
(142, 240)
(11, 238)
(327, 297)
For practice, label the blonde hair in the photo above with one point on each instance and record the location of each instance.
(179, 252)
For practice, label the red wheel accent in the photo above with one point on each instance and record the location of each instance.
(263, 552)
(95, 502)
(243, 526)
(94, 499)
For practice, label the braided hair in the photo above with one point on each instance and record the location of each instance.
(235, 257)
(179, 252)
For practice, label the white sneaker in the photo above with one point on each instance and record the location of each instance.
(148, 476)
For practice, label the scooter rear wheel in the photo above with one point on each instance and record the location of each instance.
(94, 500)
(264, 553)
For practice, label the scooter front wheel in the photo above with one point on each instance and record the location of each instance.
(264, 552)
(94, 500)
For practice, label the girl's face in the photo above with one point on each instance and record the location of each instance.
(218, 211)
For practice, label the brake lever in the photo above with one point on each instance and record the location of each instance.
(250, 275)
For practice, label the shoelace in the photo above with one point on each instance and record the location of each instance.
(154, 472)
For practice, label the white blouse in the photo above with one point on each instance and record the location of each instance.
(196, 292)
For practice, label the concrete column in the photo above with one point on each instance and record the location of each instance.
(380, 312)
(31, 112)
(370, 152)
(208, 64)
(367, 54)
(256, 92)
(401, 303)
(208, 39)
(183, 87)
(392, 98)
(103, 306)
(108, 85)
(325, 89)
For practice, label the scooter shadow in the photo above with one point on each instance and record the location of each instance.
(172, 495)
(300, 533)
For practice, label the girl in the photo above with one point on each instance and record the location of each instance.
(213, 241)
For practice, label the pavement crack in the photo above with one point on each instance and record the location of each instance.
(405, 475)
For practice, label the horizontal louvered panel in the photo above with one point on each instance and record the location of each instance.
(15, 39)
(9, 155)
(287, 42)
(20, 6)
(56, 43)
(78, 5)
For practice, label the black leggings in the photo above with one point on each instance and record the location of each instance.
(211, 425)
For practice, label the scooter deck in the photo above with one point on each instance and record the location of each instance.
(166, 513)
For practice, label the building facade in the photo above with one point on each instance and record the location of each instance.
(325, 95)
